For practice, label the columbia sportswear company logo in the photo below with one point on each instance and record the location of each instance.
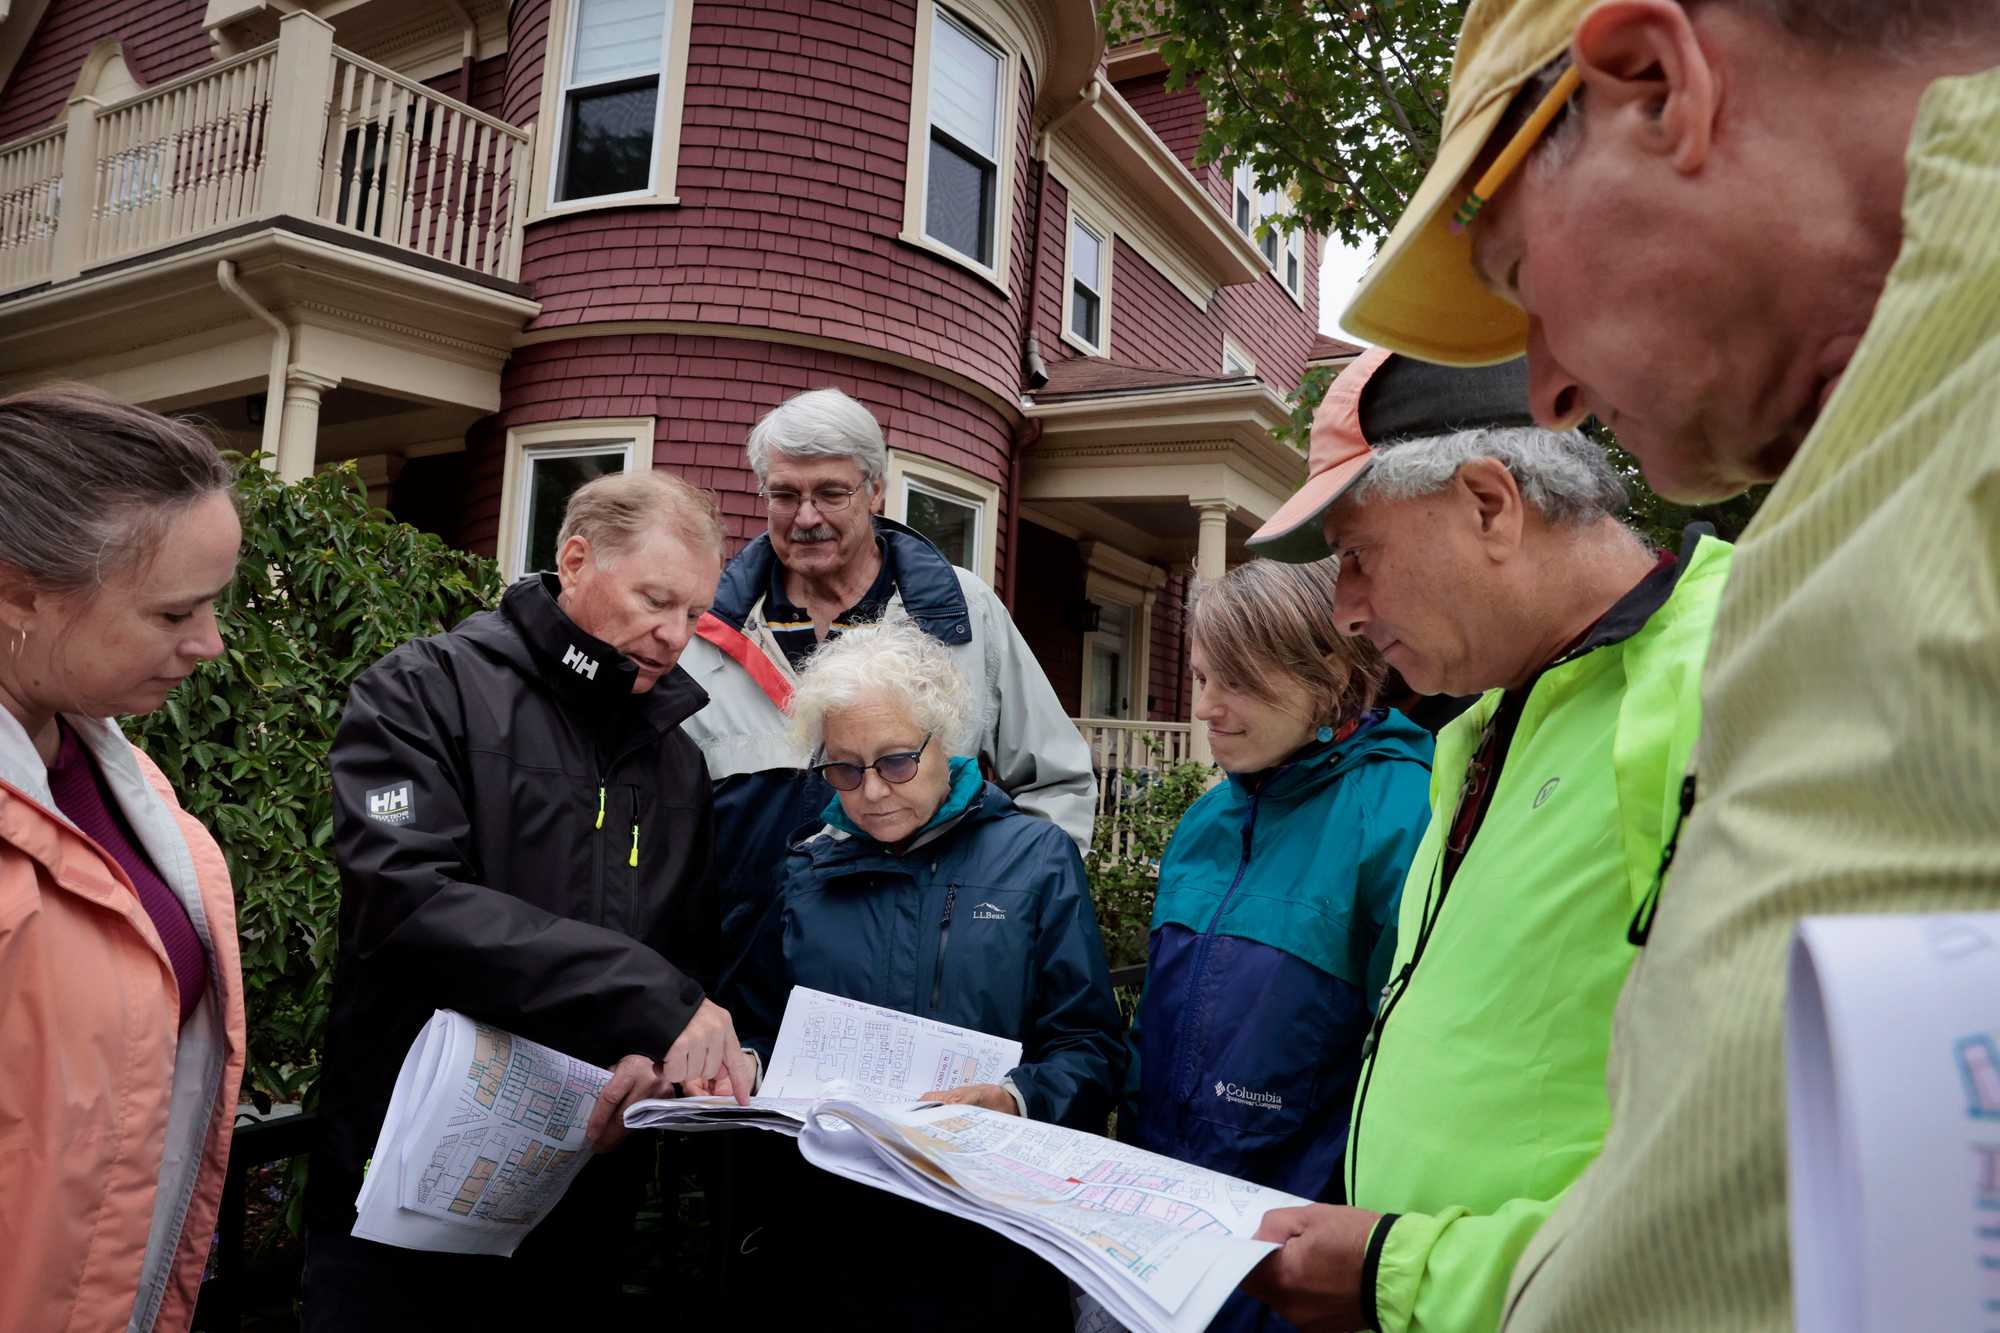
(989, 912)
(575, 660)
(1250, 1097)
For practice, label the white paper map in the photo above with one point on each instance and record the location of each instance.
(1892, 1034)
(484, 1133)
(828, 1046)
(1160, 1244)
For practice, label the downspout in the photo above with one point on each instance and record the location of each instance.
(469, 48)
(281, 358)
(1034, 370)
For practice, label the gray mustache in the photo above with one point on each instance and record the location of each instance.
(822, 533)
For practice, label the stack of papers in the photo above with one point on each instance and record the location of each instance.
(1157, 1243)
(829, 1046)
(1892, 1052)
(484, 1133)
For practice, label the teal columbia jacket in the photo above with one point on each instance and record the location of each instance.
(1272, 934)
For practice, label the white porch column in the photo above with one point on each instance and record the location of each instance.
(1210, 563)
(298, 431)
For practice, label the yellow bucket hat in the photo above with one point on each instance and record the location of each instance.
(1422, 296)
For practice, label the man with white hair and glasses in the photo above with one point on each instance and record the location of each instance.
(1757, 239)
(1483, 553)
(831, 562)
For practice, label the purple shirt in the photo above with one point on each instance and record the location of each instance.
(83, 798)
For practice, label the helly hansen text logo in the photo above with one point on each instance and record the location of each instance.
(575, 660)
(391, 805)
(989, 912)
(1250, 1097)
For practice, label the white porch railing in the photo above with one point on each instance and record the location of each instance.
(296, 127)
(1124, 755)
(30, 198)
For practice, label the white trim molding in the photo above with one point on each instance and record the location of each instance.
(950, 483)
(634, 435)
(668, 108)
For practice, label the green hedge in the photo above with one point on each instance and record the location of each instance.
(326, 586)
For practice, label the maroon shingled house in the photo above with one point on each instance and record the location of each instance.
(489, 250)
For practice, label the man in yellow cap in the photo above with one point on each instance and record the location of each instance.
(1757, 238)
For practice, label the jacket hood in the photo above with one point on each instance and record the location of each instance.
(1389, 736)
(534, 635)
(925, 581)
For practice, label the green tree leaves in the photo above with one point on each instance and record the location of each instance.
(325, 587)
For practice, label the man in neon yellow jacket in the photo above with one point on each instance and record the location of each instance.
(1490, 558)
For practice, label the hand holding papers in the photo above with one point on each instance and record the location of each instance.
(1892, 1051)
(828, 1046)
(485, 1131)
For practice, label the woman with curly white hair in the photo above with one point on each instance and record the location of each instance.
(926, 890)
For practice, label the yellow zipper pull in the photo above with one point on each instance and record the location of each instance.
(600, 807)
(635, 845)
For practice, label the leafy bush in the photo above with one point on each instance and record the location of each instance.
(325, 587)
(1124, 860)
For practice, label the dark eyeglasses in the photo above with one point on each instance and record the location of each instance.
(894, 768)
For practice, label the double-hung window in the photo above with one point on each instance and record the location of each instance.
(962, 181)
(548, 462)
(1086, 284)
(1295, 242)
(1245, 192)
(612, 77)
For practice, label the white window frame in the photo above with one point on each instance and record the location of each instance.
(551, 439)
(1113, 578)
(1087, 217)
(1292, 254)
(992, 25)
(1243, 199)
(907, 470)
(1236, 361)
(667, 115)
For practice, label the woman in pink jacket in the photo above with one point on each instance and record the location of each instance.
(121, 1001)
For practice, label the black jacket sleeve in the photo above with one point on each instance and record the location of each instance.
(414, 902)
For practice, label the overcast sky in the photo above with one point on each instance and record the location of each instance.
(1340, 269)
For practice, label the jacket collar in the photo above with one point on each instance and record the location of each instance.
(581, 668)
(1629, 614)
(835, 851)
(926, 584)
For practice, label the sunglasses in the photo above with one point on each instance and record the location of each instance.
(894, 768)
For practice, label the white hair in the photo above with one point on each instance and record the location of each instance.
(820, 423)
(1562, 475)
(894, 663)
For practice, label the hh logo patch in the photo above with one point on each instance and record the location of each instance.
(391, 805)
(574, 659)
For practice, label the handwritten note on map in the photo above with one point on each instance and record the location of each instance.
(866, 1051)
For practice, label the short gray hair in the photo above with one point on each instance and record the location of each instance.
(896, 663)
(89, 485)
(614, 511)
(821, 423)
(1562, 475)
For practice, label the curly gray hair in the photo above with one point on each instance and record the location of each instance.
(1565, 477)
(895, 663)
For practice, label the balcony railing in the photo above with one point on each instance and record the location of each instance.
(1125, 756)
(296, 127)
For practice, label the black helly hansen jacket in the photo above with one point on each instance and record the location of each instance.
(522, 839)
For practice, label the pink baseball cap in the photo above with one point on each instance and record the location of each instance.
(1381, 400)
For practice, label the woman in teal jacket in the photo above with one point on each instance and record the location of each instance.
(1275, 919)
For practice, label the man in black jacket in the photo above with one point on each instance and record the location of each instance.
(525, 836)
